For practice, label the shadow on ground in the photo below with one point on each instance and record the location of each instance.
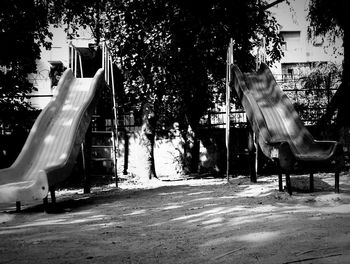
(193, 221)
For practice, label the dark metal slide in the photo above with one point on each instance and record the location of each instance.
(280, 133)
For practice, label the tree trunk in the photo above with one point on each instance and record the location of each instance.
(192, 150)
(343, 93)
(343, 120)
(147, 142)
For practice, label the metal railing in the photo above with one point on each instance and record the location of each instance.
(311, 105)
(107, 64)
(75, 63)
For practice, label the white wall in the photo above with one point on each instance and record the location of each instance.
(293, 18)
(58, 52)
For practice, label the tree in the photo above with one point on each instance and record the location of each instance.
(23, 28)
(76, 14)
(172, 52)
(330, 17)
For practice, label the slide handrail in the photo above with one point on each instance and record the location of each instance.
(107, 65)
(74, 59)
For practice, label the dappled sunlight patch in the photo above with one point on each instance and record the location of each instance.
(38, 223)
(63, 156)
(48, 139)
(263, 208)
(203, 199)
(183, 221)
(86, 220)
(171, 207)
(67, 122)
(259, 237)
(259, 218)
(292, 209)
(211, 205)
(334, 198)
(61, 220)
(236, 216)
(45, 239)
(67, 107)
(101, 216)
(5, 218)
(175, 204)
(99, 226)
(316, 211)
(199, 193)
(226, 197)
(340, 209)
(223, 240)
(87, 212)
(69, 192)
(158, 224)
(213, 221)
(212, 226)
(136, 212)
(202, 214)
(11, 231)
(170, 193)
(254, 191)
(208, 213)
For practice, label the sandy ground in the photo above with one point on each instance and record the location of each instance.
(185, 221)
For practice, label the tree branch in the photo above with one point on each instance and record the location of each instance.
(272, 4)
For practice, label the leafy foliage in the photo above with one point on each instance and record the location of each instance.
(23, 28)
(327, 16)
(75, 14)
(330, 17)
(312, 91)
(322, 77)
(172, 52)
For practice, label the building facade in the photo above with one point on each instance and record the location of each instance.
(300, 52)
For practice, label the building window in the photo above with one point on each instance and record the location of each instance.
(291, 40)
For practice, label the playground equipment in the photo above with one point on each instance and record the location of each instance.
(278, 129)
(54, 142)
(84, 57)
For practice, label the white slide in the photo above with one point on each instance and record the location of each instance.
(50, 151)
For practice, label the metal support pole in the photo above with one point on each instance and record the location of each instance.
(115, 123)
(18, 206)
(311, 182)
(336, 185)
(70, 52)
(229, 62)
(228, 110)
(103, 56)
(126, 153)
(75, 63)
(252, 154)
(289, 184)
(81, 67)
(53, 195)
(87, 187)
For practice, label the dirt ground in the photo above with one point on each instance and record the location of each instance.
(198, 220)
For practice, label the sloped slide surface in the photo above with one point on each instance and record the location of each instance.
(281, 133)
(54, 141)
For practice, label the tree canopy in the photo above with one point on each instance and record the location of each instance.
(23, 29)
(330, 17)
(172, 52)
